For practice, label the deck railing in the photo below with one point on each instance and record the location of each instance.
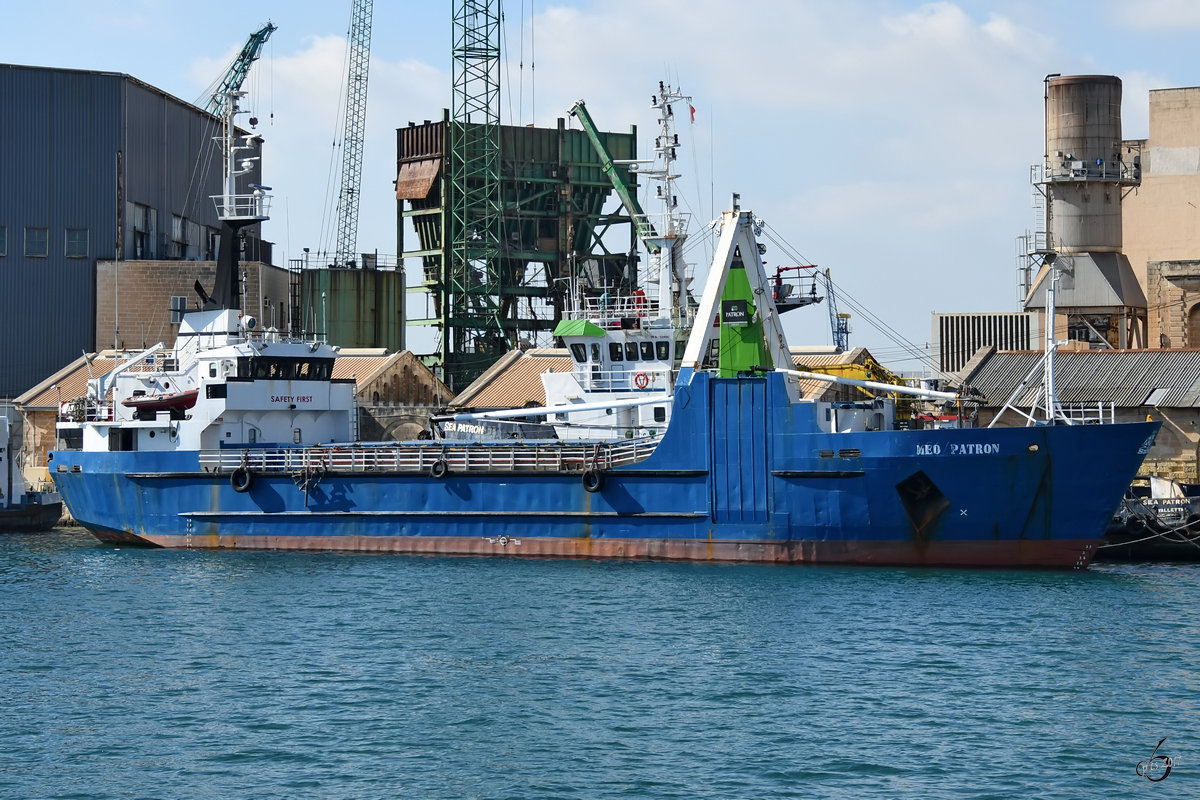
(421, 457)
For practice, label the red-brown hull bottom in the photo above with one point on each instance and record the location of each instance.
(1056, 554)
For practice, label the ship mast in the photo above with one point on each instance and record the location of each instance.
(235, 210)
(668, 228)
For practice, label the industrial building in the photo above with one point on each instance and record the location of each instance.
(1087, 170)
(509, 219)
(1117, 220)
(98, 166)
(959, 336)
(1162, 223)
(552, 185)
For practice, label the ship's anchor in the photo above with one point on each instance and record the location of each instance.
(593, 478)
(307, 479)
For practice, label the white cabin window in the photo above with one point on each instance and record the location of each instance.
(647, 351)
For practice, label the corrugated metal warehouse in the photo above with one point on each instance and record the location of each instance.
(93, 162)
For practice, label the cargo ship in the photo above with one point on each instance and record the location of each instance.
(241, 439)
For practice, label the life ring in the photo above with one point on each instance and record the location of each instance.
(641, 380)
(241, 479)
(439, 468)
(593, 480)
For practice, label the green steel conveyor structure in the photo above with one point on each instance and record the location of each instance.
(550, 232)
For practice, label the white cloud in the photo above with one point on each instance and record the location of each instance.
(1169, 15)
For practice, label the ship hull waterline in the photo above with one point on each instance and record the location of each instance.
(1052, 554)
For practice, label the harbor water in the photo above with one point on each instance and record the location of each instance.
(135, 673)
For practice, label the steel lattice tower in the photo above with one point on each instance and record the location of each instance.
(473, 330)
(359, 42)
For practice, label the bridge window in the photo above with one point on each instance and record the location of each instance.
(304, 369)
(615, 351)
(579, 352)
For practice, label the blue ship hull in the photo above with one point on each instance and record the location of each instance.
(742, 474)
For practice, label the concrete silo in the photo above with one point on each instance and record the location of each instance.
(1086, 171)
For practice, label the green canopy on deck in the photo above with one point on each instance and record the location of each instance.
(577, 327)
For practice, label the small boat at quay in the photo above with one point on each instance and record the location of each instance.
(22, 508)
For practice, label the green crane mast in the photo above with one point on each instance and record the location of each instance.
(641, 223)
(236, 74)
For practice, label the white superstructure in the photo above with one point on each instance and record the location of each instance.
(226, 383)
(626, 346)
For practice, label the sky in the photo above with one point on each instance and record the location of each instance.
(888, 141)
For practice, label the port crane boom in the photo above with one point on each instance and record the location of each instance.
(359, 42)
(236, 74)
(643, 226)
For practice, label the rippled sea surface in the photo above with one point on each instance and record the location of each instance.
(130, 673)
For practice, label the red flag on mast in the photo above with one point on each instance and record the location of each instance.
(693, 110)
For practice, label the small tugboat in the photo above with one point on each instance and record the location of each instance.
(746, 468)
(22, 508)
(1158, 520)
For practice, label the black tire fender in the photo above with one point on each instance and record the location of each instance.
(593, 480)
(241, 479)
(439, 468)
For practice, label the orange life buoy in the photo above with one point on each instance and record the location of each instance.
(641, 380)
